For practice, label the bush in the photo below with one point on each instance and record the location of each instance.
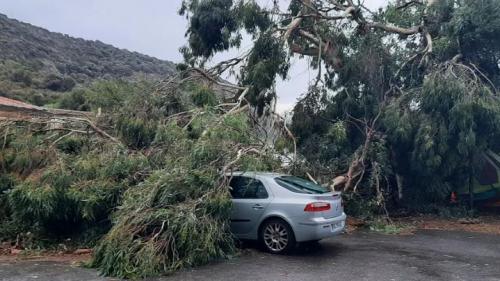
(21, 76)
(359, 207)
(24, 161)
(75, 100)
(64, 201)
(108, 94)
(7, 182)
(95, 199)
(59, 84)
(71, 145)
(136, 133)
(204, 96)
(45, 204)
(38, 99)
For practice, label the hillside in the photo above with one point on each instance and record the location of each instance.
(38, 65)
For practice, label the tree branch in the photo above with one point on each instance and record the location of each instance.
(408, 4)
(395, 29)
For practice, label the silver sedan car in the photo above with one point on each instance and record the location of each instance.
(280, 210)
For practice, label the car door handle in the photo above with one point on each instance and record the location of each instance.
(258, 207)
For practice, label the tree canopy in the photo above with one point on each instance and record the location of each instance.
(404, 98)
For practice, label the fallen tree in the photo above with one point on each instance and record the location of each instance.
(144, 182)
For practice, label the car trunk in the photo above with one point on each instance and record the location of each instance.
(335, 200)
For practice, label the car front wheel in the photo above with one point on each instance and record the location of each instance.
(277, 237)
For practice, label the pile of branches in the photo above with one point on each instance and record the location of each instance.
(153, 168)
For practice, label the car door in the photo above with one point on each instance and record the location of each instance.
(250, 199)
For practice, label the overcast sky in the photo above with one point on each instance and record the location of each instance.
(152, 27)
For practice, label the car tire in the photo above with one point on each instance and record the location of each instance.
(276, 236)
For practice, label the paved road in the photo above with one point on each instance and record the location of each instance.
(428, 255)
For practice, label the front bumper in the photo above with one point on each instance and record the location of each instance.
(319, 228)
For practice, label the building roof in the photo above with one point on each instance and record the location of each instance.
(15, 103)
(11, 109)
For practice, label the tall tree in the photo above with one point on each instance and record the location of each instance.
(402, 94)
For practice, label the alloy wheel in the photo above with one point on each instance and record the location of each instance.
(276, 237)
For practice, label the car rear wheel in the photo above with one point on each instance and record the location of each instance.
(277, 237)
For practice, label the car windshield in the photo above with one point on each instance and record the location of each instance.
(299, 185)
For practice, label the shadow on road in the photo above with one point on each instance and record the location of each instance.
(305, 249)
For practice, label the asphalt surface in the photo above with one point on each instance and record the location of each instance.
(428, 255)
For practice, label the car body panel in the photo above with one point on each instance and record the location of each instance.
(249, 214)
(246, 214)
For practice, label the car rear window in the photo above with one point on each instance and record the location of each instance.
(299, 185)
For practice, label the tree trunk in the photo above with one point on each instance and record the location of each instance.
(399, 182)
(471, 184)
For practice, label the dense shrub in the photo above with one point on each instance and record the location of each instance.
(38, 99)
(75, 100)
(59, 84)
(26, 154)
(63, 201)
(7, 182)
(21, 76)
(204, 96)
(136, 133)
(71, 145)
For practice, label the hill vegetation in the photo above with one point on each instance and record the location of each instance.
(38, 66)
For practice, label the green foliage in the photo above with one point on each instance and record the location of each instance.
(432, 114)
(215, 25)
(211, 27)
(440, 130)
(21, 76)
(34, 61)
(152, 206)
(403, 17)
(360, 207)
(390, 228)
(178, 217)
(63, 192)
(167, 135)
(71, 145)
(253, 17)
(96, 199)
(45, 204)
(136, 133)
(266, 61)
(476, 26)
(204, 96)
(59, 84)
(107, 94)
(24, 155)
(7, 182)
(74, 100)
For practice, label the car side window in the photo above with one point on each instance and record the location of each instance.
(247, 188)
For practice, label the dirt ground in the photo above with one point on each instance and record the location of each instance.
(408, 225)
(46, 256)
(484, 224)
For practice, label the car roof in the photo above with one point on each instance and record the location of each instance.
(255, 174)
